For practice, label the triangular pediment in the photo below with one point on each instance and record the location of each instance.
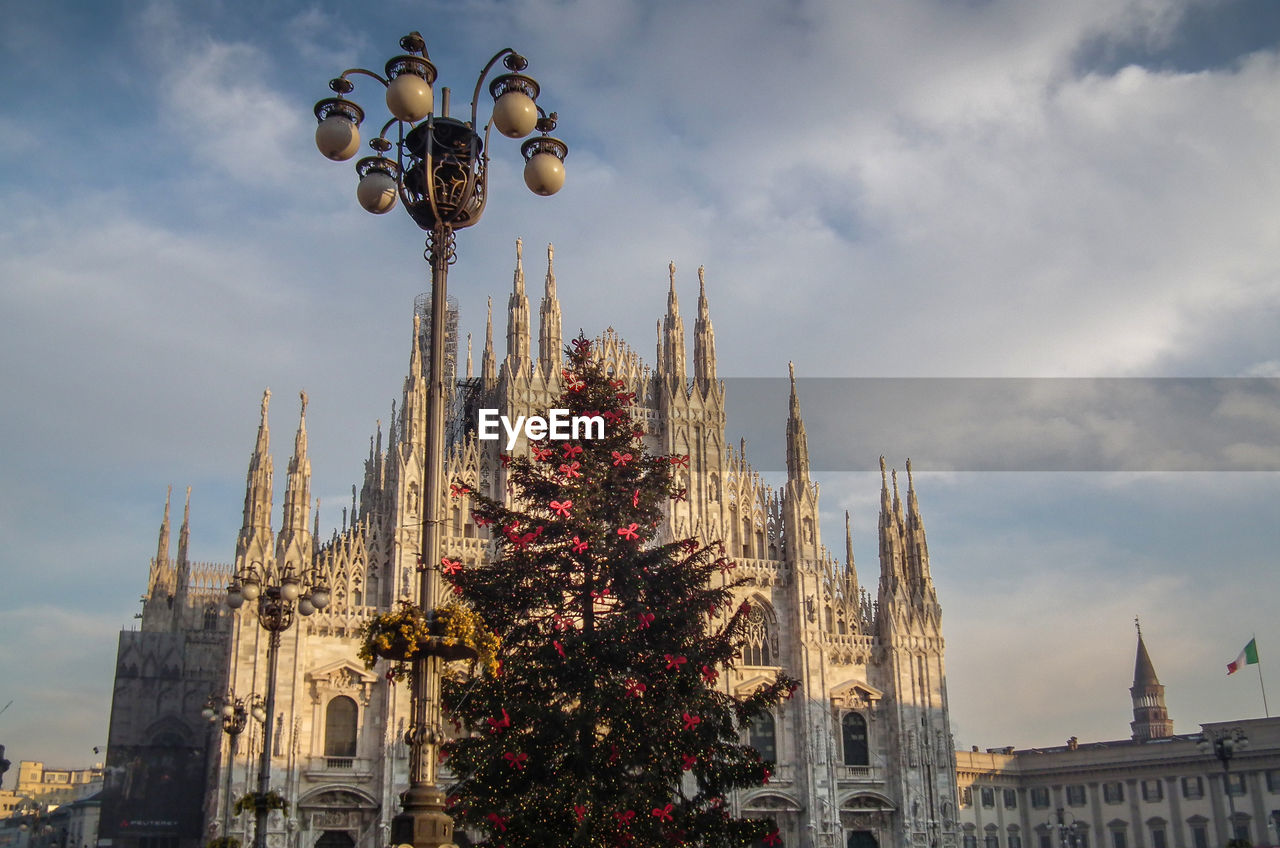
(751, 684)
(341, 670)
(855, 693)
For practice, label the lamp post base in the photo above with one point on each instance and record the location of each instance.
(424, 823)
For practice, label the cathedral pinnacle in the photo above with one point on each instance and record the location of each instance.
(1150, 716)
(704, 339)
(518, 321)
(255, 531)
(488, 364)
(672, 358)
(162, 547)
(797, 441)
(550, 340)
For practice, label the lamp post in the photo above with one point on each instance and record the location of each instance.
(440, 174)
(278, 600)
(234, 714)
(1068, 834)
(1224, 744)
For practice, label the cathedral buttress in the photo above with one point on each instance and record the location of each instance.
(800, 497)
(413, 407)
(923, 594)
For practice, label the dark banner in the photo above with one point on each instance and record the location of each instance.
(153, 790)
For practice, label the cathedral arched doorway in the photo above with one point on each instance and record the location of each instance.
(335, 839)
(861, 839)
(338, 817)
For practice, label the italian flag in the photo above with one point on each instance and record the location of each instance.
(1249, 656)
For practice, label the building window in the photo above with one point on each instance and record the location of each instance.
(1011, 799)
(1158, 838)
(1235, 784)
(761, 637)
(1199, 836)
(1045, 840)
(853, 732)
(1015, 841)
(1273, 780)
(966, 796)
(762, 736)
(1119, 838)
(970, 841)
(211, 618)
(1192, 788)
(1113, 793)
(1040, 797)
(340, 728)
(1152, 790)
(1075, 795)
(992, 841)
(1241, 828)
(988, 797)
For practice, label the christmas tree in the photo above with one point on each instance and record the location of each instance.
(608, 720)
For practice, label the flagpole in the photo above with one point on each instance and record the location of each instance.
(1261, 685)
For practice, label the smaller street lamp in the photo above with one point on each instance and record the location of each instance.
(1225, 744)
(279, 595)
(234, 714)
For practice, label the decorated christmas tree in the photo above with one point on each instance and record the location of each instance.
(609, 719)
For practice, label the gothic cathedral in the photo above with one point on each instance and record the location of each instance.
(864, 750)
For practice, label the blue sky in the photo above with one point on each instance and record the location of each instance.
(919, 189)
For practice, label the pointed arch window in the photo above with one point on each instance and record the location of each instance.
(761, 647)
(762, 734)
(340, 727)
(853, 735)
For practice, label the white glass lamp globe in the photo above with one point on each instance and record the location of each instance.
(320, 597)
(409, 97)
(305, 607)
(544, 174)
(259, 714)
(228, 710)
(377, 192)
(251, 590)
(289, 589)
(515, 114)
(337, 137)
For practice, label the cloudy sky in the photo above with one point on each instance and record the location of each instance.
(936, 209)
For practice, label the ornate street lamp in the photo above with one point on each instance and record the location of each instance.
(234, 714)
(440, 173)
(278, 600)
(1068, 833)
(1225, 744)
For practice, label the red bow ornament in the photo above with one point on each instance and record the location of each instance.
(674, 661)
(635, 688)
(663, 813)
(579, 545)
(541, 454)
(570, 470)
(570, 451)
(629, 533)
(496, 725)
(646, 618)
(450, 566)
(773, 839)
(691, 721)
(621, 459)
(516, 761)
(458, 490)
(561, 508)
(499, 822)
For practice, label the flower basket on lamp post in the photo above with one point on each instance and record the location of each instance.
(450, 632)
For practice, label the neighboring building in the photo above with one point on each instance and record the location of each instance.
(1156, 789)
(864, 750)
(157, 745)
(47, 785)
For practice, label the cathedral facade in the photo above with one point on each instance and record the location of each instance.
(864, 752)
